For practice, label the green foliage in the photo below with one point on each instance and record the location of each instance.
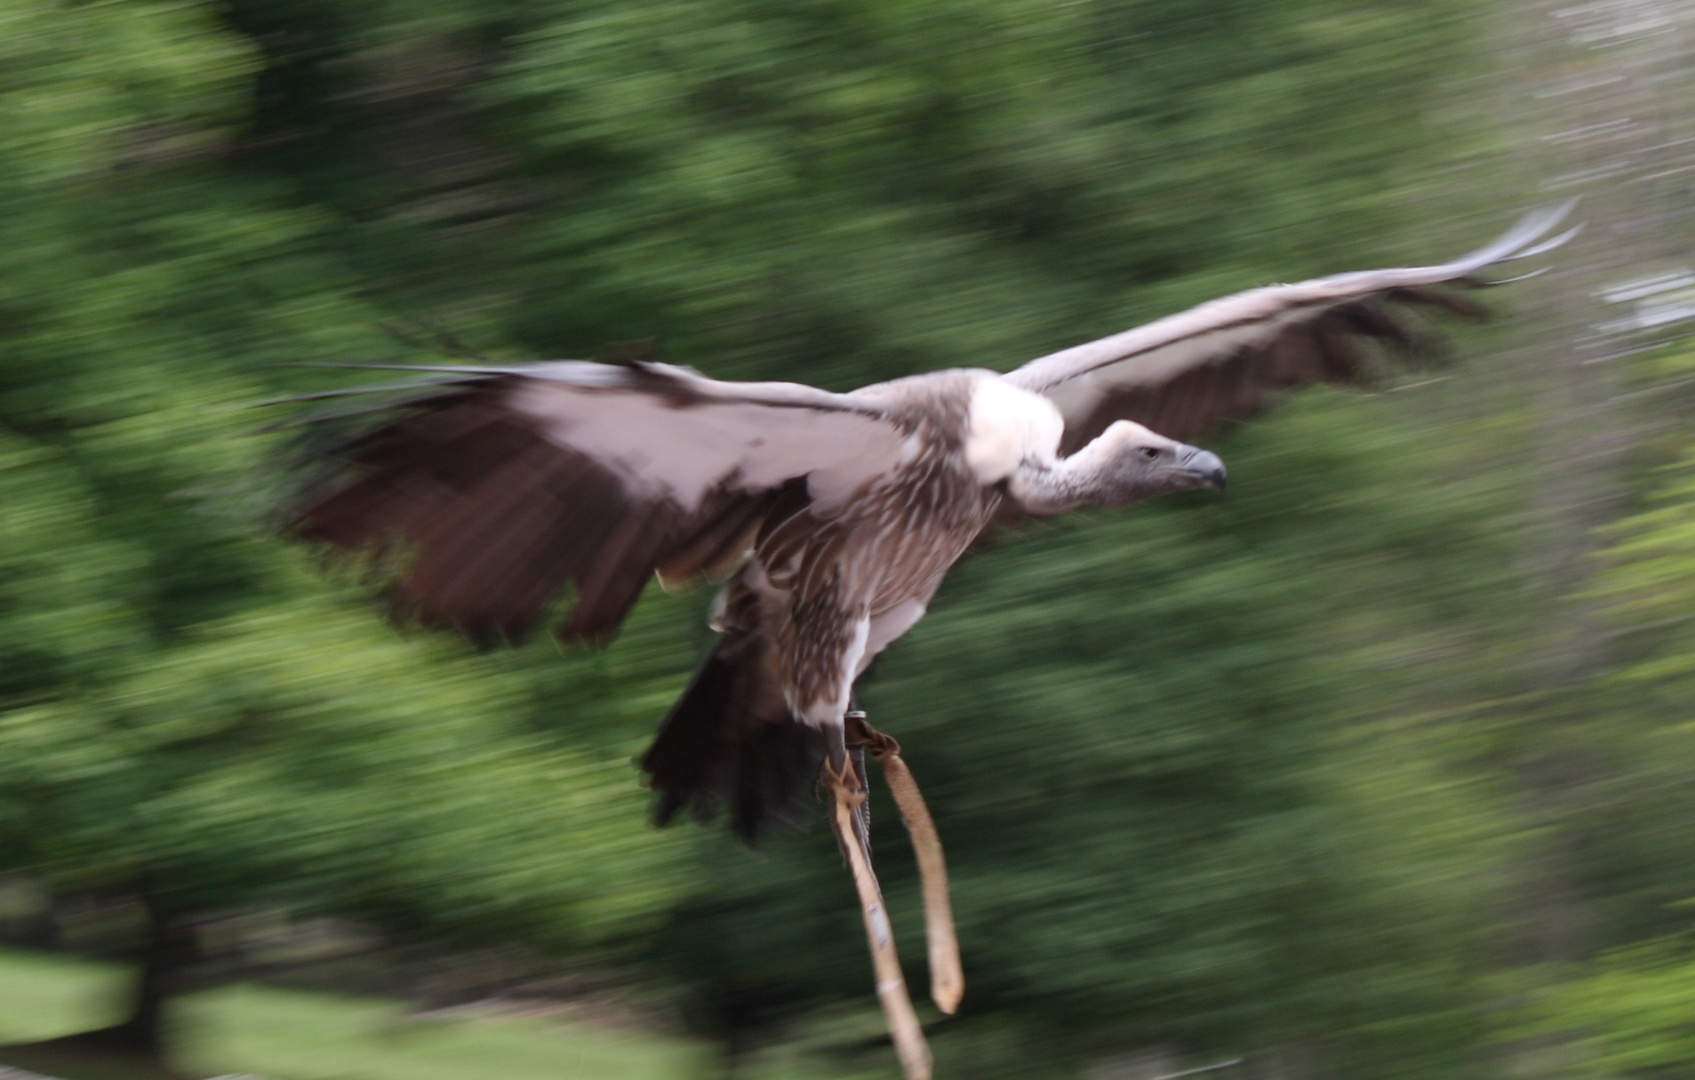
(1212, 774)
(1632, 1008)
(182, 705)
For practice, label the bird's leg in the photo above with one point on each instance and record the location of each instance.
(843, 776)
(837, 765)
(856, 754)
(839, 758)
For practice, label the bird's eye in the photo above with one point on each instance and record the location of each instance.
(1150, 453)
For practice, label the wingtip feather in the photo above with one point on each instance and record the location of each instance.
(1520, 241)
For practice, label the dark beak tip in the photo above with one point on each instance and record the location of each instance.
(1206, 465)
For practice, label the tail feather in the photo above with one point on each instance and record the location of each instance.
(731, 739)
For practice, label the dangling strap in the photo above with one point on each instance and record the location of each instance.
(848, 797)
(947, 977)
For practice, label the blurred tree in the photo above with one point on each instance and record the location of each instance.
(184, 712)
(1208, 772)
(1629, 1011)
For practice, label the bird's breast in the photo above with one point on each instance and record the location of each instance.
(908, 531)
(1005, 425)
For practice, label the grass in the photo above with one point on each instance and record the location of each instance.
(292, 1035)
(42, 997)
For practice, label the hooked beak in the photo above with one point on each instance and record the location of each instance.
(1203, 465)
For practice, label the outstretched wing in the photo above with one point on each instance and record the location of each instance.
(1187, 374)
(484, 489)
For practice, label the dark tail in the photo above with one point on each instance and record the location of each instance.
(731, 739)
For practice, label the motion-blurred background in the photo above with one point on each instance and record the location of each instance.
(1381, 765)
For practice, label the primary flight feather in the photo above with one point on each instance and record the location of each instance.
(833, 516)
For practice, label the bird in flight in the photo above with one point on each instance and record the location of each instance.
(831, 518)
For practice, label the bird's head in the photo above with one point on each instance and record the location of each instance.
(1128, 463)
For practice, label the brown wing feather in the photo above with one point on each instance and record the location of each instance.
(1187, 374)
(492, 520)
(484, 499)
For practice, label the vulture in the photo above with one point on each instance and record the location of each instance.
(480, 491)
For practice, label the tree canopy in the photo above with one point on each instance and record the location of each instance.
(1216, 776)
